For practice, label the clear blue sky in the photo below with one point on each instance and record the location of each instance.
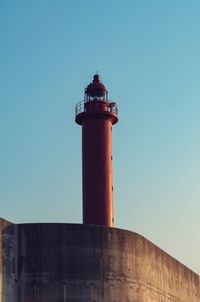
(148, 55)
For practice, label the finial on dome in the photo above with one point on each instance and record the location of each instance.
(96, 78)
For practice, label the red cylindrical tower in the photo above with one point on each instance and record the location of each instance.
(97, 114)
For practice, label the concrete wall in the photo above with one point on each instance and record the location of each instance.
(71, 262)
(3, 263)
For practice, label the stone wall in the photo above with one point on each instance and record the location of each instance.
(72, 262)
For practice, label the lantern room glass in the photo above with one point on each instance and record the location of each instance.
(96, 96)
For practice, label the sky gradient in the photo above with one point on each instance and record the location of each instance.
(148, 56)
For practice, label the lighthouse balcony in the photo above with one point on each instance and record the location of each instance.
(96, 106)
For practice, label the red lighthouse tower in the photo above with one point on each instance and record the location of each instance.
(97, 114)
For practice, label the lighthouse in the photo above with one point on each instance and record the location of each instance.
(96, 114)
(93, 262)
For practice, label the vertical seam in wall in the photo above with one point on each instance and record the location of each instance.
(16, 257)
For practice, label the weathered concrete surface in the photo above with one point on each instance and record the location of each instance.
(71, 262)
(3, 224)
